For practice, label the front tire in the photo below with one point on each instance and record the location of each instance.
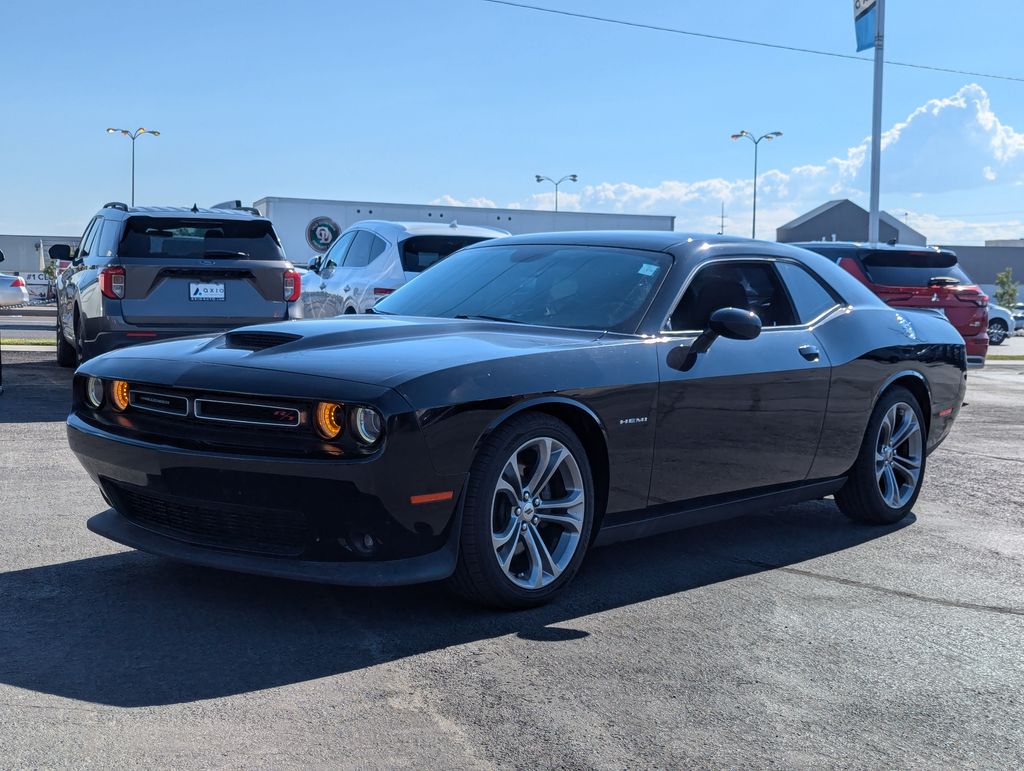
(883, 485)
(997, 332)
(528, 511)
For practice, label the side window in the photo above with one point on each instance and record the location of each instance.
(377, 248)
(106, 243)
(751, 286)
(810, 298)
(336, 253)
(85, 248)
(359, 253)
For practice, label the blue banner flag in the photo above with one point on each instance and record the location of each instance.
(865, 19)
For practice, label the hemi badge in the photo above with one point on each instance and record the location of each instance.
(447, 495)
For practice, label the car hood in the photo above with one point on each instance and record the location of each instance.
(372, 349)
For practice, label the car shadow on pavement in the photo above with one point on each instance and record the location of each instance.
(36, 390)
(129, 629)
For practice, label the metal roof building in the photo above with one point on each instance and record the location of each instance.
(843, 220)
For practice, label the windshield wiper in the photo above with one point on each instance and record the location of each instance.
(479, 317)
(380, 313)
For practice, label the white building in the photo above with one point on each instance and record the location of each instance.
(307, 226)
(26, 256)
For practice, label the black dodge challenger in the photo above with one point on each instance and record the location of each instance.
(520, 402)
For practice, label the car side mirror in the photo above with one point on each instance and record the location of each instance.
(60, 252)
(735, 324)
(731, 323)
(313, 264)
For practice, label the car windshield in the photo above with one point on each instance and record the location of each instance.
(899, 268)
(173, 238)
(581, 287)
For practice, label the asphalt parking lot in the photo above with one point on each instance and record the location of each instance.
(792, 638)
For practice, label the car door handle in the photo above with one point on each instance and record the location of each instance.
(810, 352)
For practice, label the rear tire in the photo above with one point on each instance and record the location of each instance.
(997, 332)
(885, 480)
(520, 547)
(66, 354)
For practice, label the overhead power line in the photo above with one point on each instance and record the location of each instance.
(742, 41)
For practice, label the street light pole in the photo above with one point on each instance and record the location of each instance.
(567, 177)
(769, 136)
(133, 135)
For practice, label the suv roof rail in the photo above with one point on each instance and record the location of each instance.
(250, 209)
(116, 205)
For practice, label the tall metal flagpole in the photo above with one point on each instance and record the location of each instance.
(876, 123)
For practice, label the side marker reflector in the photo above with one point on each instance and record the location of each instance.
(945, 412)
(447, 495)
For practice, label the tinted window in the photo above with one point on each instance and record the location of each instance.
(336, 254)
(359, 253)
(166, 238)
(106, 243)
(420, 252)
(560, 286)
(89, 237)
(809, 297)
(377, 248)
(753, 286)
(902, 268)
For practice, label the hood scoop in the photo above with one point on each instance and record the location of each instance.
(258, 341)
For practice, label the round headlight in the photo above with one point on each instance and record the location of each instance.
(119, 395)
(329, 417)
(367, 424)
(94, 392)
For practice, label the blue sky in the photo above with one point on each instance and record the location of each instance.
(462, 100)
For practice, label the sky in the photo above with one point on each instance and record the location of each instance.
(464, 101)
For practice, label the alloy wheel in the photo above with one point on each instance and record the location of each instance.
(996, 333)
(537, 513)
(899, 455)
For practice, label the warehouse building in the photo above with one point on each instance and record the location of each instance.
(843, 220)
(308, 226)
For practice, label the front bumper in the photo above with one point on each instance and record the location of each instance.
(333, 521)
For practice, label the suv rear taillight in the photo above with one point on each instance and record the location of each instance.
(112, 283)
(18, 281)
(381, 291)
(973, 297)
(292, 286)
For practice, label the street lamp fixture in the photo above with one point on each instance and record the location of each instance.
(768, 137)
(566, 178)
(133, 135)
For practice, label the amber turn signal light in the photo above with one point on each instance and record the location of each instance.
(329, 419)
(119, 395)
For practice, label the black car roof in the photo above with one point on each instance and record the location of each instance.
(653, 240)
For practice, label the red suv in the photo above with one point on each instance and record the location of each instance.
(918, 277)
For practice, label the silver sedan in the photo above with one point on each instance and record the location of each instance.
(12, 290)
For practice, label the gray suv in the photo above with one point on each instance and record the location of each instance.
(151, 273)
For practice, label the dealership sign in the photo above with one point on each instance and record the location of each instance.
(321, 232)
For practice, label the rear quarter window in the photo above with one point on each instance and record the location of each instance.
(420, 252)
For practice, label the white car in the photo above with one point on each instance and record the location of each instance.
(372, 258)
(1001, 324)
(12, 289)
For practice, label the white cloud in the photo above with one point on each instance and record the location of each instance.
(951, 144)
(447, 200)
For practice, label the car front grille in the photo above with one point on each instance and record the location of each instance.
(261, 531)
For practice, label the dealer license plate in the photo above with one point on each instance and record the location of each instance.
(203, 292)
